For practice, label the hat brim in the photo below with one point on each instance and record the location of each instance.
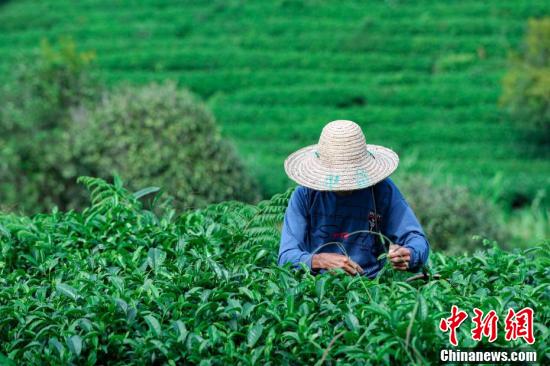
(305, 168)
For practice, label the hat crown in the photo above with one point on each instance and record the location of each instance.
(342, 143)
(341, 160)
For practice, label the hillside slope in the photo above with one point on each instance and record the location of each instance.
(421, 77)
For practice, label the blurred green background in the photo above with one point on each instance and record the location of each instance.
(422, 77)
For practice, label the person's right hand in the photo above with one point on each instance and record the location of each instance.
(333, 260)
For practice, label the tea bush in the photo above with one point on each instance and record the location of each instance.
(451, 215)
(59, 122)
(526, 86)
(159, 135)
(120, 284)
(37, 170)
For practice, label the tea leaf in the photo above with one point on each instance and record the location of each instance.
(75, 344)
(146, 191)
(155, 258)
(67, 290)
(254, 334)
(351, 321)
(153, 324)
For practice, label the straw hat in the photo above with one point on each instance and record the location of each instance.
(341, 161)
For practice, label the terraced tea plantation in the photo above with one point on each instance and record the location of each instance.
(421, 77)
(122, 284)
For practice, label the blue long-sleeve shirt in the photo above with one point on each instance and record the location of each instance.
(315, 217)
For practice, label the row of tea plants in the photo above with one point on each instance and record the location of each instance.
(127, 281)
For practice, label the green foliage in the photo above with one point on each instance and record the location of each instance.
(531, 224)
(417, 77)
(120, 284)
(45, 88)
(526, 86)
(54, 128)
(159, 135)
(451, 215)
(36, 167)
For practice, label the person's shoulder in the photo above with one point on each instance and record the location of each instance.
(301, 193)
(387, 191)
(300, 197)
(386, 185)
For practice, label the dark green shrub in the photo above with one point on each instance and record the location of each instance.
(36, 168)
(159, 135)
(451, 215)
(155, 135)
(526, 86)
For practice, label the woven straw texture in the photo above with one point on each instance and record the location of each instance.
(341, 161)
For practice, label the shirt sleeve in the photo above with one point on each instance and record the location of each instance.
(402, 227)
(293, 246)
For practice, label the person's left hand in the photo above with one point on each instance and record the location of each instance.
(400, 257)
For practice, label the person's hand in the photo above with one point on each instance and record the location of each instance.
(333, 260)
(400, 257)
